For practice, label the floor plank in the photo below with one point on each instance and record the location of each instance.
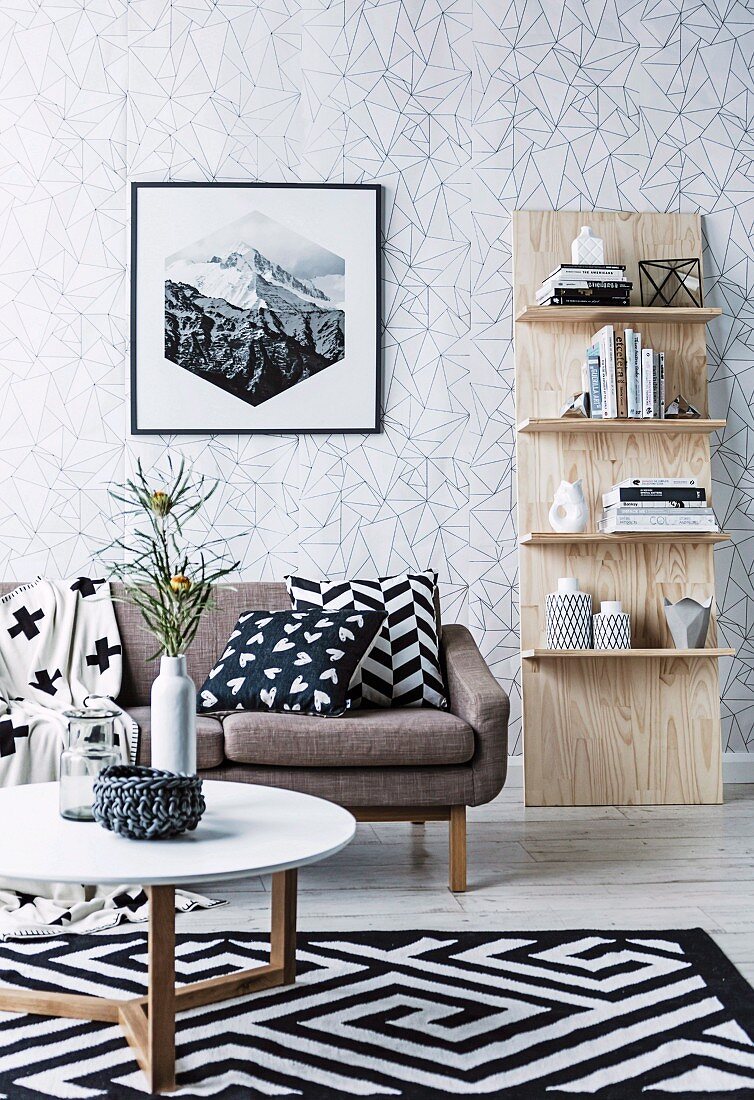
(586, 867)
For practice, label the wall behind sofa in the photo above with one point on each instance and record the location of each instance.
(464, 111)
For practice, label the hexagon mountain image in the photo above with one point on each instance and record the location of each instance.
(254, 308)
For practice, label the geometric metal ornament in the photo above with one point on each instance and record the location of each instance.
(681, 409)
(671, 282)
(577, 407)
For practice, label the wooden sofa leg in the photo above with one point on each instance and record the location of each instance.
(458, 849)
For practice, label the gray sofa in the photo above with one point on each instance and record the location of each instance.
(405, 764)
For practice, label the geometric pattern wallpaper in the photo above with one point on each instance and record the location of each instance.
(463, 110)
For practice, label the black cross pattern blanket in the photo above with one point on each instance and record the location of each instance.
(59, 647)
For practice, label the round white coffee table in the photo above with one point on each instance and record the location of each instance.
(246, 830)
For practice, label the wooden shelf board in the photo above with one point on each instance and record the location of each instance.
(577, 315)
(574, 424)
(555, 538)
(536, 654)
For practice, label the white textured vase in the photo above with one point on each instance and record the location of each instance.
(174, 718)
(587, 249)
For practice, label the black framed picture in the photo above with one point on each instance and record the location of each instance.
(255, 307)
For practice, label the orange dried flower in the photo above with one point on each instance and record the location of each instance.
(161, 503)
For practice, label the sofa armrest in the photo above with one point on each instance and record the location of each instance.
(477, 698)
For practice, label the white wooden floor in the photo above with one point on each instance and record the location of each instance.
(650, 868)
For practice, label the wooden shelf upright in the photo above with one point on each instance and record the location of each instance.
(612, 731)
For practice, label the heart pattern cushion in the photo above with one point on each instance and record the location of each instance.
(290, 660)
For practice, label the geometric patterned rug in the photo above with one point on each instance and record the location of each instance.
(419, 1015)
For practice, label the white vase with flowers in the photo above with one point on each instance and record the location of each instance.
(171, 582)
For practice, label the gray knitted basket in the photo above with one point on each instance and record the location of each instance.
(147, 804)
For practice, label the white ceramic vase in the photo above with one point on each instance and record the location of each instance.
(568, 616)
(569, 512)
(587, 248)
(611, 626)
(174, 718)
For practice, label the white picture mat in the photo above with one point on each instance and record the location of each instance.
(339, 398)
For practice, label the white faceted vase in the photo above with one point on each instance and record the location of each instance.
(174, 718)
(587, 249)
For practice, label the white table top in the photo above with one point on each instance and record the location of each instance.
(246, 830)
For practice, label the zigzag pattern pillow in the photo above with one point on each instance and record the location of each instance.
(403, 667)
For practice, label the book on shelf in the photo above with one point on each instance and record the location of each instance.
(624, 379)
(653, 493)
(621, 387)
(569, 298)
(669, 521)
(607, 291)
(585, 284)
(605, 342)
(657, 505)
(664, 482)
(656, 385)
(609, 272)
(595, 384)
(563, 282)
(633, 372)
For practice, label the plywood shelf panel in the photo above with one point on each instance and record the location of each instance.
(640, 726)
(603, 315)
(625, 427)
(621, 654)
(555, 538)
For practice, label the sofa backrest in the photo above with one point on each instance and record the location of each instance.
(214, 629)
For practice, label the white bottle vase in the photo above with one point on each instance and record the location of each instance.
(587, 249)
(174, 718)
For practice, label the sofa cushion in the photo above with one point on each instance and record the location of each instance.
(403, 667)
(362, 738)
(299, 661)
(209, 739)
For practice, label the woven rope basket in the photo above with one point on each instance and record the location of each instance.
(147, 804)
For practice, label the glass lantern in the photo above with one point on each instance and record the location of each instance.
(91, 749)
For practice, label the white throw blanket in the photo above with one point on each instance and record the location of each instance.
(59, 649)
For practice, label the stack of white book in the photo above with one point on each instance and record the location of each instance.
(646, 504)
(585, 285)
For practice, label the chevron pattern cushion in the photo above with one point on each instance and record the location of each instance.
(403, 667)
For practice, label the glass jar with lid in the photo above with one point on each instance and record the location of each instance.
(91, 749)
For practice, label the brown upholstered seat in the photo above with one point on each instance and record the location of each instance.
(402, 764)
(368, 738)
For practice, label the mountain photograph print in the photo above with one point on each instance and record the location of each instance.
(268, 299)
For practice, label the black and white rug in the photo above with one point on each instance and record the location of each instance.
(417, 1015)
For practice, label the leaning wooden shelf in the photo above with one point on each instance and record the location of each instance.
(628, 427)
(603, 315)
(609, 654)
(639, 726)
(555, 538)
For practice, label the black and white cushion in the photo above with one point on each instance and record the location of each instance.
(290, 660)
(403, 667)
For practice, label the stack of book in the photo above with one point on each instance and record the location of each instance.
(645, 504)
(623, 378)
(585, 285)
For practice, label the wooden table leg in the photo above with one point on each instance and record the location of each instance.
(283, 924)
(161, 993)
